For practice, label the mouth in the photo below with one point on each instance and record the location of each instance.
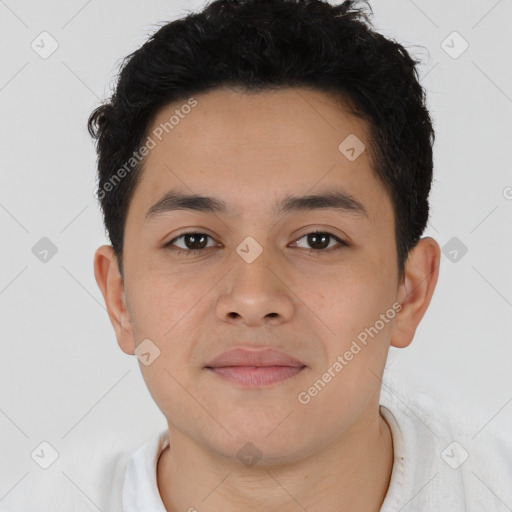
(255, 368)
(256, 376)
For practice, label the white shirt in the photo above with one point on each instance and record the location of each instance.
(440, 465)
(430, 472)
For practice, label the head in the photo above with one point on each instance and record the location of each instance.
(286, 118)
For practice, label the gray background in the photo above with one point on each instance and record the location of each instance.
(63, 378)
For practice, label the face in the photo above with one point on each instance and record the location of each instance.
(254, 275)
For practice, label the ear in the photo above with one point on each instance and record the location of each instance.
(110, 282)
(416, 290)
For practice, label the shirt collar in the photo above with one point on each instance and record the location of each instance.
(140, 488)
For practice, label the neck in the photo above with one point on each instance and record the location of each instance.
(350, 473)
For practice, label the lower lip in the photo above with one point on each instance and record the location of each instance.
(255, 376)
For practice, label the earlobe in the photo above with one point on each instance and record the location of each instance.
(108, 277)
(415, 293)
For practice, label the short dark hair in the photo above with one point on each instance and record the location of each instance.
(258, 45)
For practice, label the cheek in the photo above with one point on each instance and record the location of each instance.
(355, 313)
(164, 301)
(171, 310)
(343, 299)
(166, 311)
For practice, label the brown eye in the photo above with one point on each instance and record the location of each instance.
(320, 241)
(193, 242)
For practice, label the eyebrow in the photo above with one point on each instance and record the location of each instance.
(336, 199)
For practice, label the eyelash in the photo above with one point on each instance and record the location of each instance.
(312, 252)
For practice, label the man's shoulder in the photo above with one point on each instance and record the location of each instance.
(452, 445)
(87, 475)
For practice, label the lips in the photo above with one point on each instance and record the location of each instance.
(254, 357)
(255, 368)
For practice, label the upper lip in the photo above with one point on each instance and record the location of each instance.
(253, 357)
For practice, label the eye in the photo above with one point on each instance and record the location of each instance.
(194, 242)
(319, 241)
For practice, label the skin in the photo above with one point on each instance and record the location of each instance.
(335, 452)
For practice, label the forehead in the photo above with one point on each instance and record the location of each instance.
(256, 148)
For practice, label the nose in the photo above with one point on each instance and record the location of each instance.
(256, 293)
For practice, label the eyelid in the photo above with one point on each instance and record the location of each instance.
(193, 232)
(340, 241)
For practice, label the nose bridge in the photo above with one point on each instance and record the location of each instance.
(254, 290)
(251, 272)
(251, 269)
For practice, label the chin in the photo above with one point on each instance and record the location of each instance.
(253, 446)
